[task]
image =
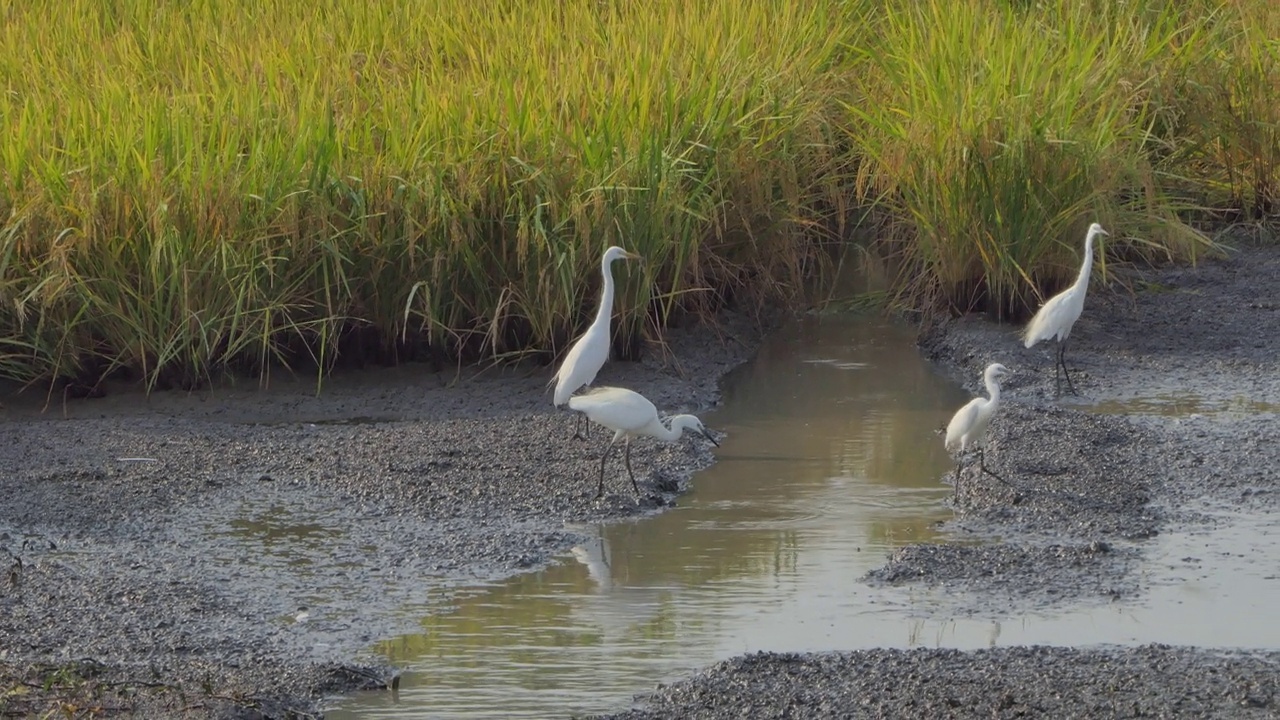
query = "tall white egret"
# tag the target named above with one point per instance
(590, 351)
(1055, 318)
(968, 427)
(630, 415)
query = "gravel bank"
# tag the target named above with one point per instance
(226, 554)
(1030, 682)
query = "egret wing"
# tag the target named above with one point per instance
(1048, 320)
(581, 364)
(615, 408)
(962, 422)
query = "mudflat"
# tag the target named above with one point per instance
(139, 535)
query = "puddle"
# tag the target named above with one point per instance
(277, 527)
(831, 462)
(1176, 405)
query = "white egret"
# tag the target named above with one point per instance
(630, 415)
(590, 351)
(1055, 318)
(968, 427)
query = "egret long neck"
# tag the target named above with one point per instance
(673, 433)
(605, 311)
(1087, 266)
(993, 389)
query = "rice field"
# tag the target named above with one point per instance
(194, 188)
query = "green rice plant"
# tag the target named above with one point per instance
(25, 347)
(213, 185)
(192, 188)
(993, 135)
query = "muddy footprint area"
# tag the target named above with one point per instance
(1178, 391)
(227, 554)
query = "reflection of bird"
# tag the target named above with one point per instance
(1055, 318)
(630, 414)
(968, 427)
(594, 554)
(590, 352)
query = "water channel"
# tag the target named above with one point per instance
(831, 461)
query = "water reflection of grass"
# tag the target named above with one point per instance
(531, 616)
(874, 422)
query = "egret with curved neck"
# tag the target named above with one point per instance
(968, 427)
(1055, 318)
(630, 415)
(590, 352)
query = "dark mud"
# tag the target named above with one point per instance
(1182, 364)
(1016, 577)
(1029, 682)
(228, 553)
(1079, 487)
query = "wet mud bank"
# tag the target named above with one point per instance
(1176, 370)
(1179, 393)
(1039, 682)
(228, 553)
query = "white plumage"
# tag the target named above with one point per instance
(1056, 317)
(590, 352)
(968, 427)
(630, 415)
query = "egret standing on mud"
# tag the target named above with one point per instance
(968, 427)
(590, 352)
(630, 415)
(1055, 317)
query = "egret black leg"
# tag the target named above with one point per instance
(955, 487)
(983, 465)
(603, 458)
(627, 456)
(584, 433)
(1057, 372)
(1062, 362)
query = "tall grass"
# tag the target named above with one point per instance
(196, 184)
(192, 187)
(1227, 140)
(999, 132)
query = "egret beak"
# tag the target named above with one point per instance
(1104, 232)
(706, 434)
(632, 256)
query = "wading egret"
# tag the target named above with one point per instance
(590, 352)
(1055, 318)
(630, 415)
(968, 427)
